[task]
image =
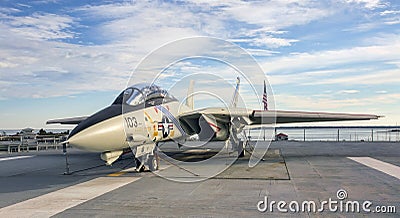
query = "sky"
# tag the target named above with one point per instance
(72, 58)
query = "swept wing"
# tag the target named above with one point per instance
(221, 116)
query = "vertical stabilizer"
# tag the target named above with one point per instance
(189, 97)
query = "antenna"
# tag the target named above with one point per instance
(236, 93)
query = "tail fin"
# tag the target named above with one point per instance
(236, 93)
(189, 98)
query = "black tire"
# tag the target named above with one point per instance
(240, 148)
(241, 154)
(154, 162)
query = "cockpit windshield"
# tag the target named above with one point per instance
(143, 93)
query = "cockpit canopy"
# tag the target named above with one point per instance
(139, 94)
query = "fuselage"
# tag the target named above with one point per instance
(123, 125)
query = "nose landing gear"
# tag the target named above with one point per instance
(145, 161)
(151, 162)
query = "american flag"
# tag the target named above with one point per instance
(265, 97)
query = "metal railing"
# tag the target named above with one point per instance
(32, 144)
(331, 133)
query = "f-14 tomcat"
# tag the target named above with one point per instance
(145, 114)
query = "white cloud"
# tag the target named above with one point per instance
(374, 78)
(261, 52)
(296, 102)
(273, 42)
(144, 19)
(349, 91)
(389, 12)
(277, 14)
(24, 5)
(370, 4)
(377, 64)
(266, 41)
(304, 77)
(8, 10)
(393, 21)
(339, 76)
(49, 69)
(41, 26)
(381, 104)
(364, 27)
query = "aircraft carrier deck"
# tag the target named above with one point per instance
(32, 184)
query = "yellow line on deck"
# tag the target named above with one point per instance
(116, 174)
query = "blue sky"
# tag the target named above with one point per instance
(71, 58)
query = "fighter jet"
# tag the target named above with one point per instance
(144, 115)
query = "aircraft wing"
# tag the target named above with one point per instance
(222, 116)
(258, 116)
(70, 120)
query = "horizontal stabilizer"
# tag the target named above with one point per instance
(71, 120)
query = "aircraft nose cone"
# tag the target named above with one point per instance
(106, 135)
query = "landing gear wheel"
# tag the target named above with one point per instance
(153, 162)
(241, 154)
(139, 166)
